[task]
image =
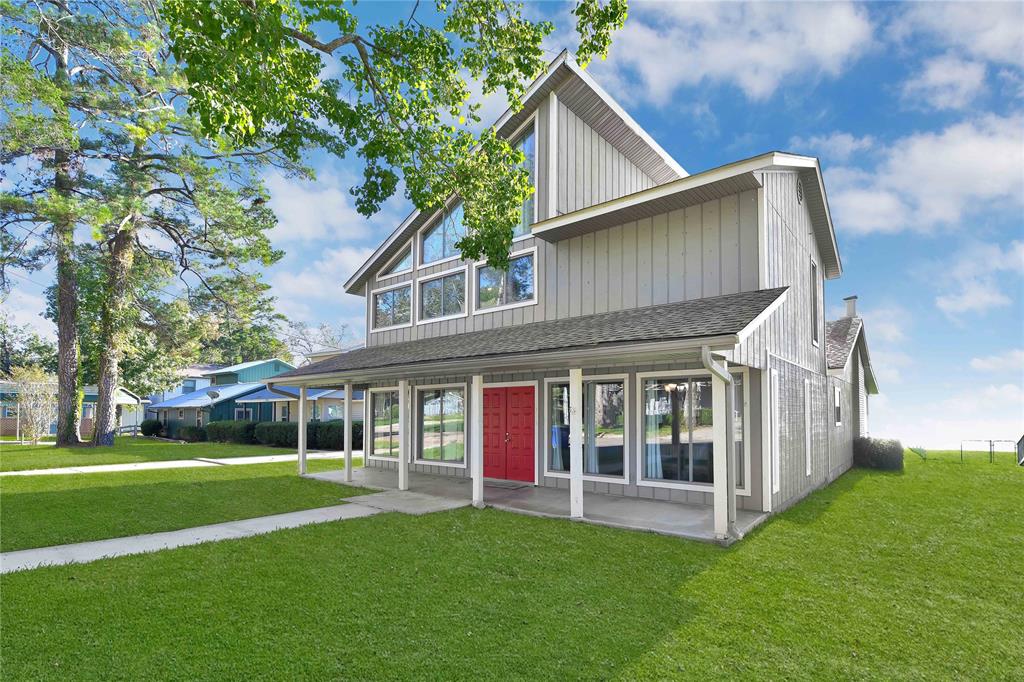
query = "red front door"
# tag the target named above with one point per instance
(509, 437)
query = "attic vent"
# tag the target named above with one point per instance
(799, 192)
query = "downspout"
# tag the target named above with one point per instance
(722, 373)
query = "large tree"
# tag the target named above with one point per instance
(173, 214)
(400, 99)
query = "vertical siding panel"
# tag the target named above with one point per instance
(711, 265)
(575, 275)
(643, 262)
(749, 256)
(601, 280)
(615, 268)
(730, 260)
(659, 259)
(580, 138)
(588, 282)
(629, 248)
(676, 255)
(550, 305)
(563, 280)
(588, 167)
(694, 253)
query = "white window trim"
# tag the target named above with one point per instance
(530, 121)
(815, 315)
(244, 411)
(430, 224)
(776, 431)
(626, 445)
(412, 306)
(536, 418)
(181, 414)
(807, 424)
(368, 432)
(520, 304)
(837, 402)
(464, 269)
(394, 259)
(416, 426)
(683, 485)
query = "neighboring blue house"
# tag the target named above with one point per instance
(217, 402)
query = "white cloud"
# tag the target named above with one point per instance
(886, 324)
(304, 291)
(889, 365)
(995, 411)
(946, 82)
(930, 180)
(755, 47)
(974, 282)
(1011, 360)
(308, 211)
(837, 147)
(26, 306)
(991, 31)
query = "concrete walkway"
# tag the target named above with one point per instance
(84, 552)
(178, 464)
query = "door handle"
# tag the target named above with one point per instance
(507, 438)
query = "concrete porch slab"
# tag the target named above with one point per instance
(654, 516)
(408, 502)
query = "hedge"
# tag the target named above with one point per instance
(231, 431)
(151, 427)
(327, 435)
(192, 434)
(878, 453)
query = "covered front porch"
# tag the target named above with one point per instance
(695, 522)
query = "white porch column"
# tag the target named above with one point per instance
(403, 434)
(303, 418)
(576, 443)
(348, 432)
(476, 439)
(724, 457)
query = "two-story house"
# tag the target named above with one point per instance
(658, 335)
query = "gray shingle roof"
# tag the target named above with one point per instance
(840, 335)
(704, 317)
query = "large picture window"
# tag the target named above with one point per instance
(440, 240)
(678, 429)
(384, 439)
(604, 427)
(527, 144)
(443, 296)
(392, 307)
(496, 288)
(442, 413)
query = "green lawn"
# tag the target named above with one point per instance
(879, 576)
(38, 511)
(124, 450)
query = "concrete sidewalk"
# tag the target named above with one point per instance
(179, 464)
(84, 552)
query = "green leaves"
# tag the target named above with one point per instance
(304, 73)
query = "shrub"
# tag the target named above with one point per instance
(192, 434)
(878, 453)
(278, 434)
(328, 435)
(231, 431)
(151, 427)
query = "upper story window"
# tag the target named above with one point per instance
(443, 296)
(497, 289)
(188, 386)
(402, 263)
(814, 302)
(439, 241)
(392, 307)
(526, 142)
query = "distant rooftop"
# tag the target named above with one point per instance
(233, 369)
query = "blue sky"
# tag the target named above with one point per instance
(917, 114)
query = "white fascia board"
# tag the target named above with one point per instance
(626, 118)
(762, 316)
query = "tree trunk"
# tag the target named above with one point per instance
(68, 407)
(112, 332)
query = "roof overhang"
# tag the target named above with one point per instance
(610, 354)
(579, 91)
(695, 189)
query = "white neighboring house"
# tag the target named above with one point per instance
(193, 378)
